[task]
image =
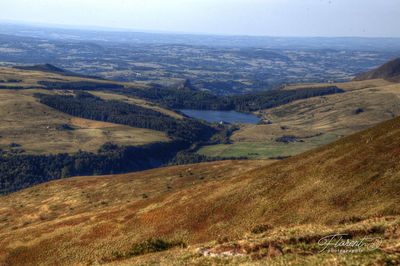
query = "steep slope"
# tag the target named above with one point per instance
(82, 212)
(88, 219)
(389, 71)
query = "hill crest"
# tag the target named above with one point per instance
(49, 68)
(43, 68)
(389, 71)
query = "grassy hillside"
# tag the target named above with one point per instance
(349, 186)
(344, 114)
(388, 71)
(37, 76)
(78, 210)
(25, 78)
(39, 129)
(347, 86)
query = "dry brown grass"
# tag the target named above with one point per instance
(86, 218)
(86, 123)
(299, 244)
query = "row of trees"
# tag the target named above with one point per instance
(22, 171)
(189, 98)
(80, 85)
(86, 105)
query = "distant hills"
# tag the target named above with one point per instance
(389, 71)
(110, 35)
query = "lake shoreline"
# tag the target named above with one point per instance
(221, 116)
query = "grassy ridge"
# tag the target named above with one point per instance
(32, 78)
(389, 71)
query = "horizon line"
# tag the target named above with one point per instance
(166, 32)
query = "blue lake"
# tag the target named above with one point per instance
(218, 116)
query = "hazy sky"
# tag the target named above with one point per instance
(371, 18)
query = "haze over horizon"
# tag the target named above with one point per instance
(305, 18)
